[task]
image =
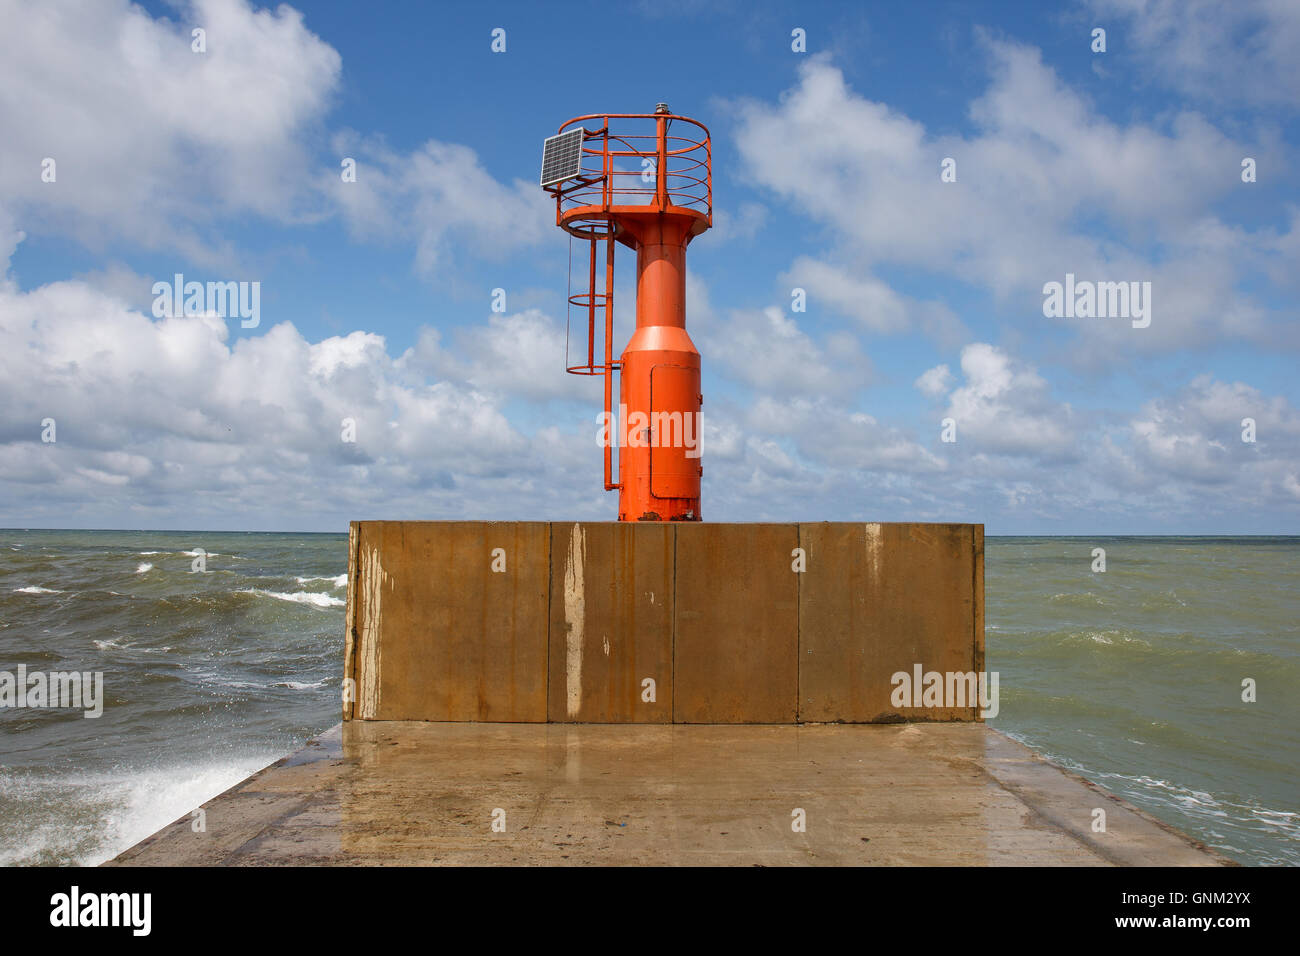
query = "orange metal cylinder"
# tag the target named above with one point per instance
(659, 457)
(657, 425)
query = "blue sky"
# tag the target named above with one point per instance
(925, 298)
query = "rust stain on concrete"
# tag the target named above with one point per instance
(373, 579)
(575, 615)
(871, 536)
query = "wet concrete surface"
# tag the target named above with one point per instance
(417, 793)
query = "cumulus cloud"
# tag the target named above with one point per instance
(1003, 406)
(1197, 436)
(766, 349)
(827, 434)
(745, 223)
(152, 141)
(934, 382)
(519, 354)
(1045, 186)
(170, 148)
(172, 422)
(440, 197)
(873, 302)
(1241, 52)
(177, 419)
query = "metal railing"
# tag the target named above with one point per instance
(655, 160)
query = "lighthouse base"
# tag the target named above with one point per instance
(609, 622)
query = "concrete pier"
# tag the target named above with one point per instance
(664, 694)
(417, 793)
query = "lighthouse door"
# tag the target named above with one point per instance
(674, 432)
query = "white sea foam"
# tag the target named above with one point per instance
(111, 645)
(115, 812)
(1282, 819)
(337, 580)
(301, 597)
(147, 553)
(33, 589)
(144, 566)
(298, 685)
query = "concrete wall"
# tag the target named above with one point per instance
(609, 622)
(737, 640)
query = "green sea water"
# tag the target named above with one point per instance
(1132, 677)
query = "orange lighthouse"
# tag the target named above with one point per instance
(644, 180)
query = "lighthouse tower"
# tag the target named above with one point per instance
(644, 180)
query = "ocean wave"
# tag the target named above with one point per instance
(299, 597)
(1282, 819)
(336, 580)
(112, 645)
(99, 815)
(1108, 638)
(144, 566)
(1163, 600)
(1086, 599)
(33, 589)
(145, 554)
(1214, 813)
(1235, 815)
(298, 685)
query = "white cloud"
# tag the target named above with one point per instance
(1195, 436)
(1239, 52)
(1003, 407)
(769, 351)
(170, 422)
(826, 434)
(873, 302)
(745, 223)
(440, 197)
(185, 425)
(153, 142)
(520, 354)
(934, 382)
(167, 148)
(1044, 187)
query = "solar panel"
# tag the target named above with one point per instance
(562, 157)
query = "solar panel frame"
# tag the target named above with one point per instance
(562, 157)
